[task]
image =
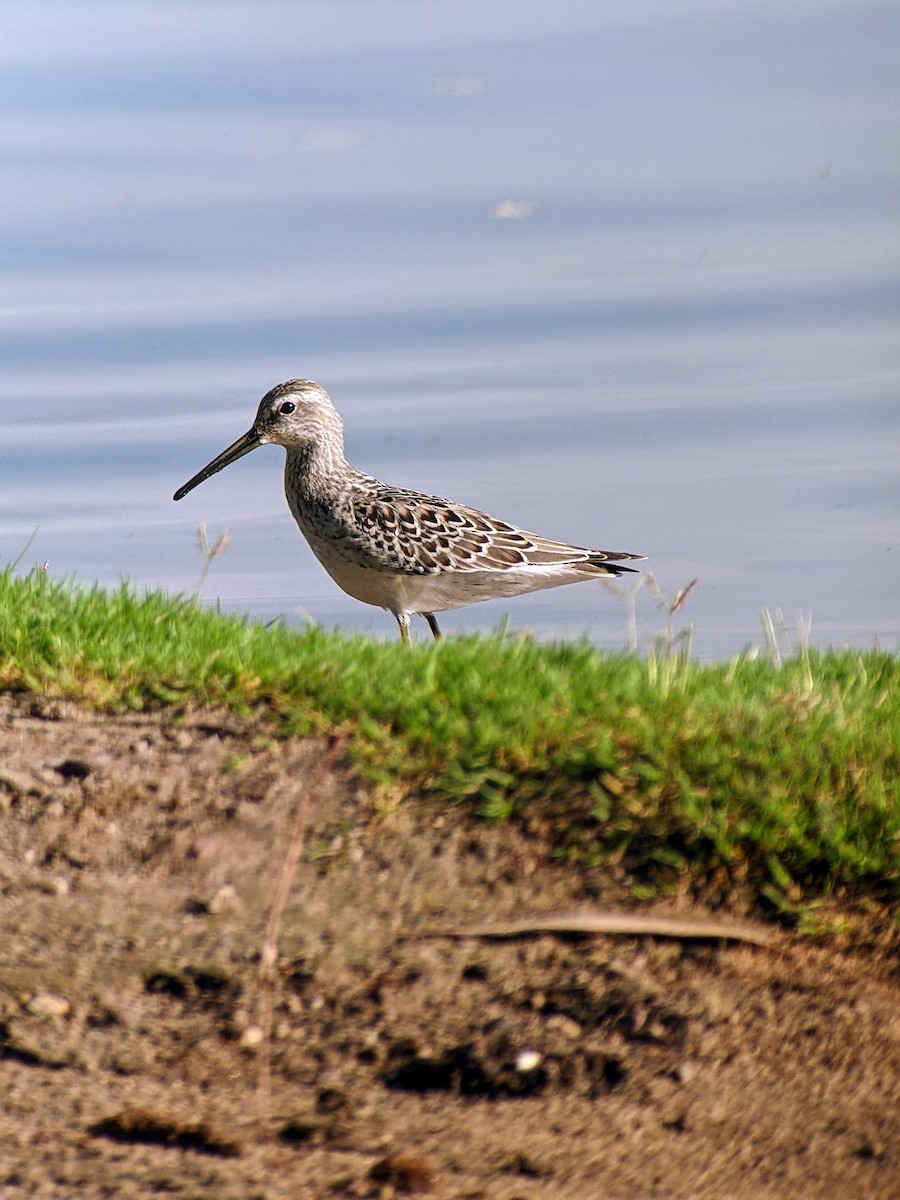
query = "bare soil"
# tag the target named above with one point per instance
(139, 855)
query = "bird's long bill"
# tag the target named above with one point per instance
(236, 450)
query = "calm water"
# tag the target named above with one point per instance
(627, 278)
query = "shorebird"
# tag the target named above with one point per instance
(393, 547)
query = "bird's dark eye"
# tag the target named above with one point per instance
(287, 408)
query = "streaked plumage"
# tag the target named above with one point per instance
(394, 547)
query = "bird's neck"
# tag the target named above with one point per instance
(316, 470)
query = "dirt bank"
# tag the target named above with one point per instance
(138, 859)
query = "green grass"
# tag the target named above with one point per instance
(784, 776)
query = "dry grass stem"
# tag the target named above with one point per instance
(268, 959)
(619, 923)
(210, 553)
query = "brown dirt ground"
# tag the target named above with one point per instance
(138, 859)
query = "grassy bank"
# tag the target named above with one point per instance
(783, 776)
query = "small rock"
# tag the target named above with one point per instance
(251, 1038)
(45, 1004)
(369, 1047)
(30, 1052)
(226, 899)
(674, 1117)
(566, 1026)
(130, 1061)
(686, 1071)
(527, 1060)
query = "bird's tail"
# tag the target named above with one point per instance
(606, 562)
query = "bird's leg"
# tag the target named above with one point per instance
(403, 622)
(433, 626)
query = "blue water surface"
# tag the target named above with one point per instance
(626, 275)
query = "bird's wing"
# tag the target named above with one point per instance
(424, 535)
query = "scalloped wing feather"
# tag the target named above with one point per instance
(419, 534)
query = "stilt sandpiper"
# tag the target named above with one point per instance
(393, 547)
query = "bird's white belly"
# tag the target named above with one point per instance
(442, 591)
